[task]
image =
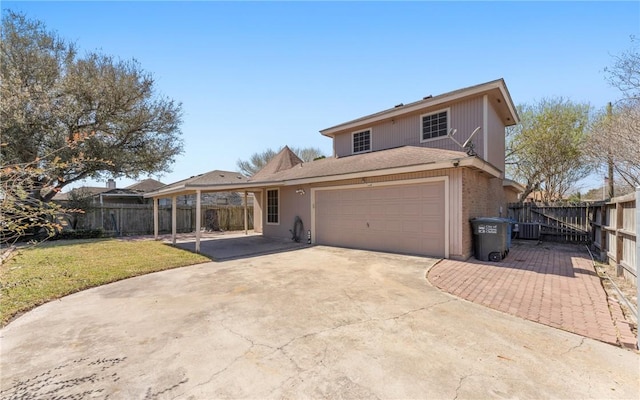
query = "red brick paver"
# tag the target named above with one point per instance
(551, 284)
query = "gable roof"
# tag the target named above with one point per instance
(497, 91)
(146, 185)
(211, 178)
(284, 160)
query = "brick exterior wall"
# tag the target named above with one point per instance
(482, 196)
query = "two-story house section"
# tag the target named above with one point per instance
(405, 180)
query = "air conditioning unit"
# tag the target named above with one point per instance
(528, 230)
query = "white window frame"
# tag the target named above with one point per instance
(277, 190)
(448, 111)
(353, 135)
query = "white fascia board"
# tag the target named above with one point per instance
(510, 105)
(420, 105)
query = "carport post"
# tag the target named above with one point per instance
(198, 215)
(174, 208)
(246, 225)
(638, 259)
(155, 218)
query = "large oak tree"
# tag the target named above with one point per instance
(52, 97)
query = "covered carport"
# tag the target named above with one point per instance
(210, 182)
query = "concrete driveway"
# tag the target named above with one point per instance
(317, 322)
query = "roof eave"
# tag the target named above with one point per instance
(427, 103)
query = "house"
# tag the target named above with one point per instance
(133, 194)
(407, 179)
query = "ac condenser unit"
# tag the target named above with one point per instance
(528, 230)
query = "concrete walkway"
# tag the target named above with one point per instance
(552, 284)
(313, 323)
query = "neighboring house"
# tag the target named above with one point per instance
(400, 180)
(133, 194)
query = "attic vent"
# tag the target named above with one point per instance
(221, 175)
(398, 105)
(427, 97)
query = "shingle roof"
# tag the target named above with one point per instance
(284, 160)
(86, 190)
(146, 185)
(378, 160)
(215, 177)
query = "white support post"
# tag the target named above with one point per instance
(174, 218)
(155, 218)
(198, 217)
(246, 223)
(638, 259)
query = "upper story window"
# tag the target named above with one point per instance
(435, 125)
(273, 206)
(362, 141)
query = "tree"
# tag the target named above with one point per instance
(545, 150)
(258, 160)
(615, 136)
(25, 215)
(50, 96)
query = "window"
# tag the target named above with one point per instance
(273, 215)
(435, 125)
(362, 141)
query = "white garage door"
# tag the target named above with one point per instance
(399, 218)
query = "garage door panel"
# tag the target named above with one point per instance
(395, 218)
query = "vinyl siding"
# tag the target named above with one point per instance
(496, 132)
(464, 116)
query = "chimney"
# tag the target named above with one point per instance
(111, 184)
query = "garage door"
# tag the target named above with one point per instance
(398, 218)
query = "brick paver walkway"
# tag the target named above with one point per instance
(551, 284)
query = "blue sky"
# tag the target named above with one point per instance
(257, 75)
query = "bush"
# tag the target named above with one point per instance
(80, 234)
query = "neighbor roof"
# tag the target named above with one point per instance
(146, 185)
(497, 90)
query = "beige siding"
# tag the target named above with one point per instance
(258, 206)
(496, 139)
(465, 116)
(292, 204)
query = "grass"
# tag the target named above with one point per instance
(52, 270)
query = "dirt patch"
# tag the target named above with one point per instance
(627, 288)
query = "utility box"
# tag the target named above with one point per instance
(490, 238)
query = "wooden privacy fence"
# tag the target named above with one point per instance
(615, 233)
(558, 222)
(137, 219)
(610, 227)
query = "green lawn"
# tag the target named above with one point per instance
(52, 270)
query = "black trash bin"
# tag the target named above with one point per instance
(490, 238)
